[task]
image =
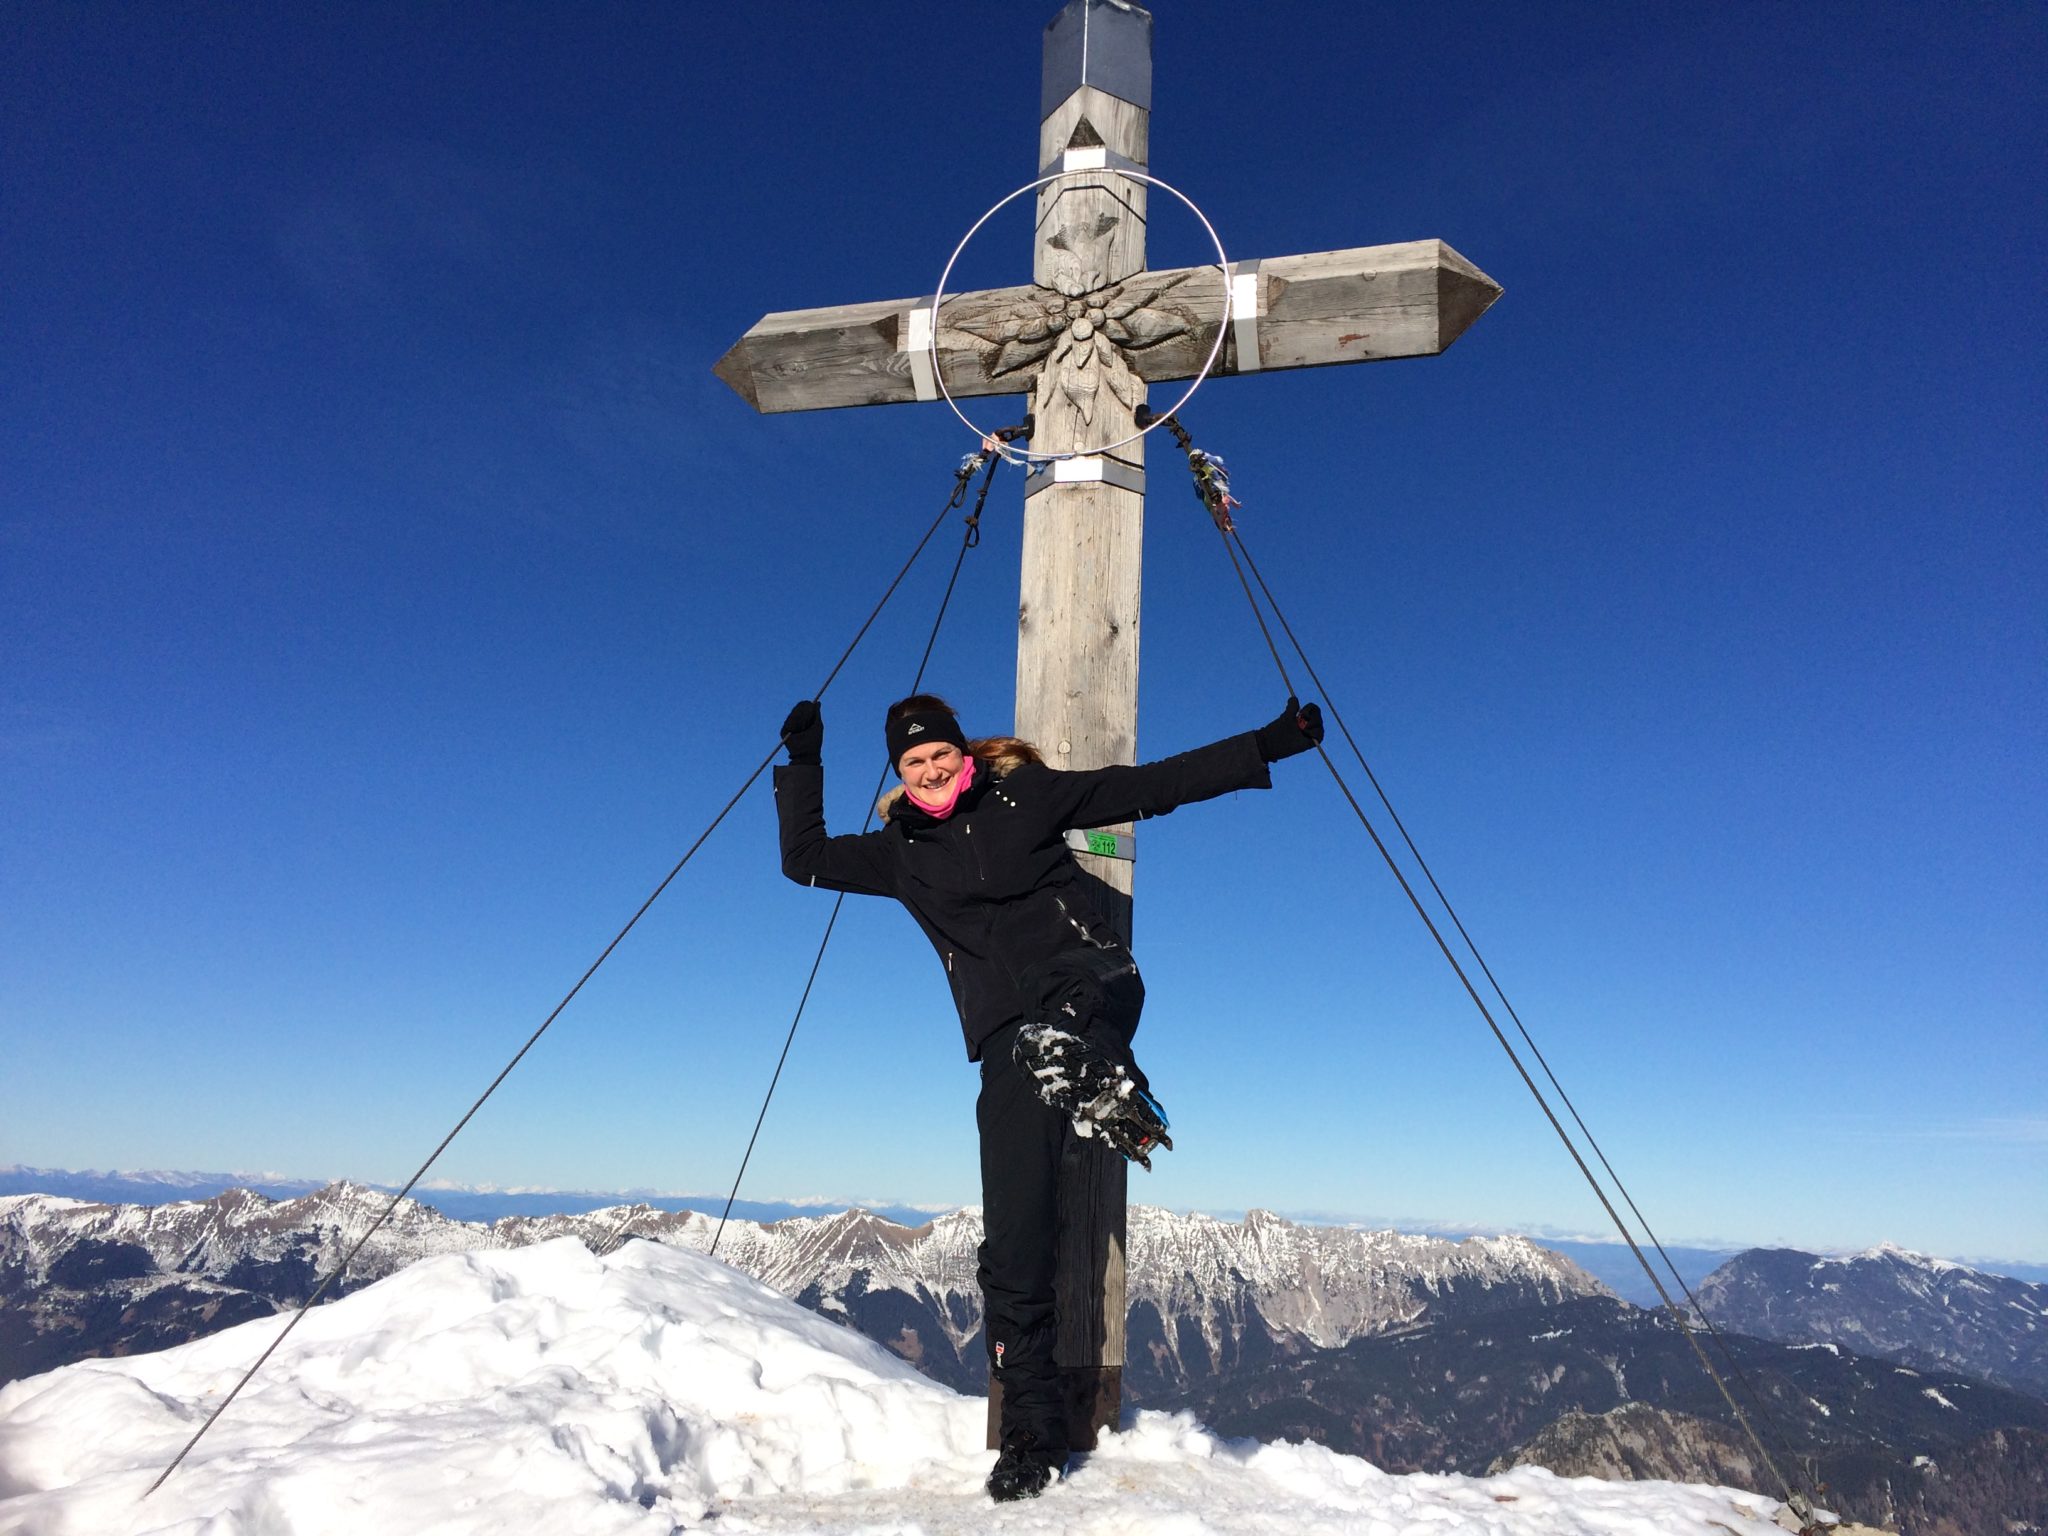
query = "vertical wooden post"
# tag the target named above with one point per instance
(1077, 614)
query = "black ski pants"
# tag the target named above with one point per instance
(1096, 991)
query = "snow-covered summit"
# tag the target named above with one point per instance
(543, 1389)
(1893, 1253)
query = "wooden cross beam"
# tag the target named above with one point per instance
(1084, 339)
(1366, 305)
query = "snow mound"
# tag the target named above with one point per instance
(542, 1389)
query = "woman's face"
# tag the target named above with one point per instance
(929, 769)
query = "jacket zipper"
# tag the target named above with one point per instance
(967, 829)
(1088, 935)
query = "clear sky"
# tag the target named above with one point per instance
(389, 594)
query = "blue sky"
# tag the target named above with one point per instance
(389, 594)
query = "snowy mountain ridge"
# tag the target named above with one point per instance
(1325, 1284)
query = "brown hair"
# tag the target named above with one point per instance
(1001, 754)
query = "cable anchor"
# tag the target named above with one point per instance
(973, 464)
(990, 455)
(1212, 476)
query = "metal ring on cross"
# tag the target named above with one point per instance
(1025, 455)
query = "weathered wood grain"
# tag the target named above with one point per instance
(1077, 698)
(1370, 304)
(1077, 663)
(1077, 628)
(1091, 228)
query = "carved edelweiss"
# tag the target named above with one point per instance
(1080, 342)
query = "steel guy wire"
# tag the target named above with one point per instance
(1233, 542)
(964, 476)
(1696, 1310)
(970, 537)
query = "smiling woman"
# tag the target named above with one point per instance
(936, 770)
(974, 846)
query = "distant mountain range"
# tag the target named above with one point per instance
(1607, 1260)
(157, 1187)
(80, 1278)
(1459, 1395)
(1616, 1268)
(1890, 1303)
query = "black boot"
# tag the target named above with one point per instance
(1082, 1079)
(1023, 1471)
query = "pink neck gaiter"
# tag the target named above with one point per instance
(940, 810)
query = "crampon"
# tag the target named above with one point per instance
(1081, 1080)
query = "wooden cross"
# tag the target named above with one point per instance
(1084, 339)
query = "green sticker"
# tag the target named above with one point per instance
(1103, 843)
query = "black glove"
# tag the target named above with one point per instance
(1299, 728)
(804, 733)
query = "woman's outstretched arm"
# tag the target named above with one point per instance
(1096, 797)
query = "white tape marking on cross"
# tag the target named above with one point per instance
(1244, 315)
(917, 344)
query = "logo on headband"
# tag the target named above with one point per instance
(914, 730)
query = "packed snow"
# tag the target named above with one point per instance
(656, 1391)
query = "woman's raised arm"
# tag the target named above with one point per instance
(858, 863)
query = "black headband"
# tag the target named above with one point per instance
(916, 730)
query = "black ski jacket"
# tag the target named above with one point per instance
(994, 886)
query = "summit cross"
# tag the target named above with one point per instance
(1083, 340)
